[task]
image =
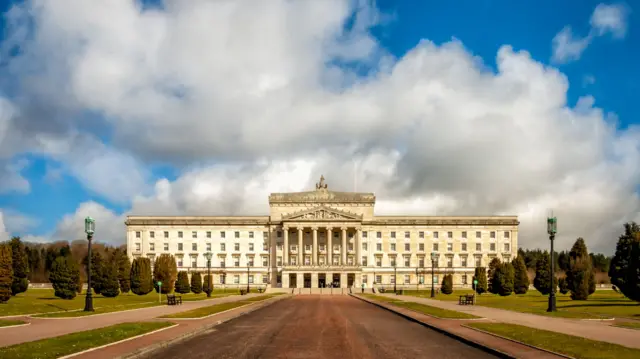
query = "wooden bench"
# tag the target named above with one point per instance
(173, 299)
(243, 291)
(260, 290)
(466, 299)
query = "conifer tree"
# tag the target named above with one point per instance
(481, 276)
(493, 265)
(124, 269)
(542, 281)
(165, 271)
(447, 284)
(563, 287)
(64, 277)
(579, 270)
(6, 272)
(625, 265)
(196, 283)
(592, 281)
(110, 284)
(20, 262)
(503, 279)
(521, 279)
(141, 281)
(182, 283)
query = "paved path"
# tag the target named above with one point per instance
(321, 327)
(596, 330)
(42, 328)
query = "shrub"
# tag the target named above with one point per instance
(64, 277)
(20, 264)
(503, 279)
(207, 284)
(447, 284)
(579, 271)
(493, 265)
(563, 286)
(196, 283)
(592, 282)
(182, 283)
(520, 279)
(141, 276)
(123, 264)
(97, 274)
(110, 283)
(481, 276)
(6, 272)
(165, 271)
(625, 265)
(542, 281)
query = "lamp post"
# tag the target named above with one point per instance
(417, 280)
(552, 228)
(209, 281)
(248, 279)
(434, 256)
(395, 277)
(89, 229)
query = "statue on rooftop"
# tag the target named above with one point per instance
(321, 184)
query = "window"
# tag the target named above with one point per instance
(350, 247)
(435, 234)
(350, 260)
(407, 278)
(179, 261)
(265, 279)
(407, 247)
(279, 261)
(449, 247)
(449, 234)
(194, 246)
(137, 234)
(393, 247)
(236, 279)
(180, 246)
(208, 234)
(421, 278)
(421, 263)
(264, 235)
(478, 247)
(152, 234)
(407, 235)
(492, 247)
(223, 263)
(464, 279)
(293, 260)
(223, 279)
(392, 280)
(421, 234)
(378, 279)
(464, 247)
(208, 247)
(152, 247)
(279, 234)
(265, 246)
(379, 247)
(364, 234)
(249, 262)
(194, 234)
(378, 234)
(364, 279)
(464, 261)
(166, 247)
(279, 246)
(506, 234)
(166, 234)
(250, 278)
(194, 262)
(250, 247)
(435, 247)
(464, 234)
(223, 234)
(378, 261)
(223, 247)
(407, 261)
(335, 234)
(506, 247)
(478, 262)
(393, 234)
(421, 247)
(364, 246)
(492, 234)
(137, 247)
(350, 234)
(236, 246)
(393, 261)
(236, 234)
(265, 261)
(250, 234)
(179, 234)
(363, 260)
(450, 262)
(236, 261)
(478, 234)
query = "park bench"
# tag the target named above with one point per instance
(400, 292)
(243, 291)
(466, 299)
(260, 290)
(173, 299)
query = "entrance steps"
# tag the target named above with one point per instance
(320, 291)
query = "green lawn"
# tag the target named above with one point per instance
(76, 342)
(630, 325)
(576, 347)
(422, 308)
(601, 304)
(43, 301)
(8, 323)
(217, 308)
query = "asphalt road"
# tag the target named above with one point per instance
(321, 327)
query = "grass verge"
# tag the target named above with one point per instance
(8, 323)
(76, 342)
(102, 310)
(422, 308)
(629, 325)
(570, 345)
(217, 308)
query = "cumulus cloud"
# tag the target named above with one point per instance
(4, 233)
(247, 99)
(605, 19)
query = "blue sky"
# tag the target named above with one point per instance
(58, 183)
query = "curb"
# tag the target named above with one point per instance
(210, 315)
(118, 342)
(208, 328)
(519, 342)
(442, 331)
(433, 316)
(14, 326)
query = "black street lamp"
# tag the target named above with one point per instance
(208, 255)
(89, 229)
(248, 279)
(417, 280)
(395, 277)
(552, 228)
(434, 256)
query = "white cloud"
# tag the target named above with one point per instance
(605, 19)
(588, 80)
(246, 100)
(4, 233)
(11, 179)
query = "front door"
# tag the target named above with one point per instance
(322, 280)
(336, 280)
(293, 280)
(351, 278)
(307, 280)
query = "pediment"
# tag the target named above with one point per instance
(322, 213)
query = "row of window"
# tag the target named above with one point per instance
(436, 234)
(194, 234)
(391, 279)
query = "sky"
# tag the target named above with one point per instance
(199, 107)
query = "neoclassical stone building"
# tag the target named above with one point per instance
(331, 237)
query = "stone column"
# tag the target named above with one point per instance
(300, 280)
(344, 245)
(314, 280)
(314, 248)
(329, 246)
(300, 247)
(285, 250)
(358, 244)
